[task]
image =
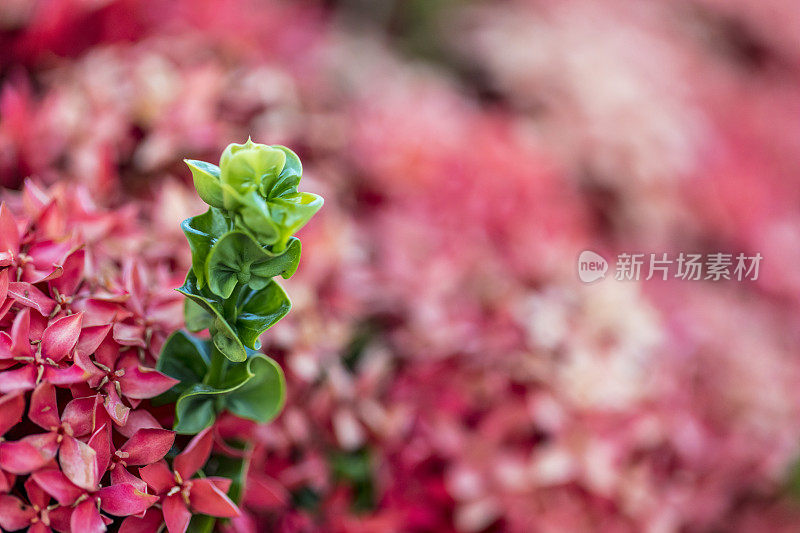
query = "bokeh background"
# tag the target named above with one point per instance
(447, 370)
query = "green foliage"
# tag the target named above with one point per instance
(243, 241)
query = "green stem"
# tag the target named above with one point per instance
(219, 363)
(217, 367)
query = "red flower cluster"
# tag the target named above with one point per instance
(81, 326)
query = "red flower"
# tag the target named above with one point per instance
(181, 495)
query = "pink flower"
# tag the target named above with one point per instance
(180, 494)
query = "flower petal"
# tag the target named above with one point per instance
(86, 518)
(28, 295)
(18, 379)
(158, 477)
(90, 338)
(68, 375)
(205, 497)
(9, 230)
(117, 410)
(7, 481)
(120, 475)
(3, 284)
(61, 336)
(60, 518)
(14, 514)
(147, 446)
(72, 274)
(43, 410)
(195, 454)
(100, 442)
(20, 333)
(149, 523)
(56, 484)
(79, 463)
(79, 415)
(176, 514)
(139, 419)
(142, 383)
(129, 334)
(12, 406)
(28, 454)
(124, 500)
(36, 495)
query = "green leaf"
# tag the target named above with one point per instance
(261, 397)
(238, 258)
(258, 310)
(202, 523)
(291, 212)
(206, 181)
(185, 358)
(245, 166)
(197, 318)
(254, 214)
(255, 390)
(196, 409)
(202, 231)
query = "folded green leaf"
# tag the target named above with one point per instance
(197, 318)
(255, 390)
(206, 181)
(246, 166)
(237, 258)
(261, 397)
(257, 311)
(202, 231)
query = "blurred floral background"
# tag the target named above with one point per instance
(447, 369)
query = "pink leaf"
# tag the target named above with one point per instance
(205, 497)
(176, 515)
(86, 518)
(56, 484)
(147, 446)
(79, 463)
(195, 454)
(43, 410)
(125, 500)
(60, 337)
